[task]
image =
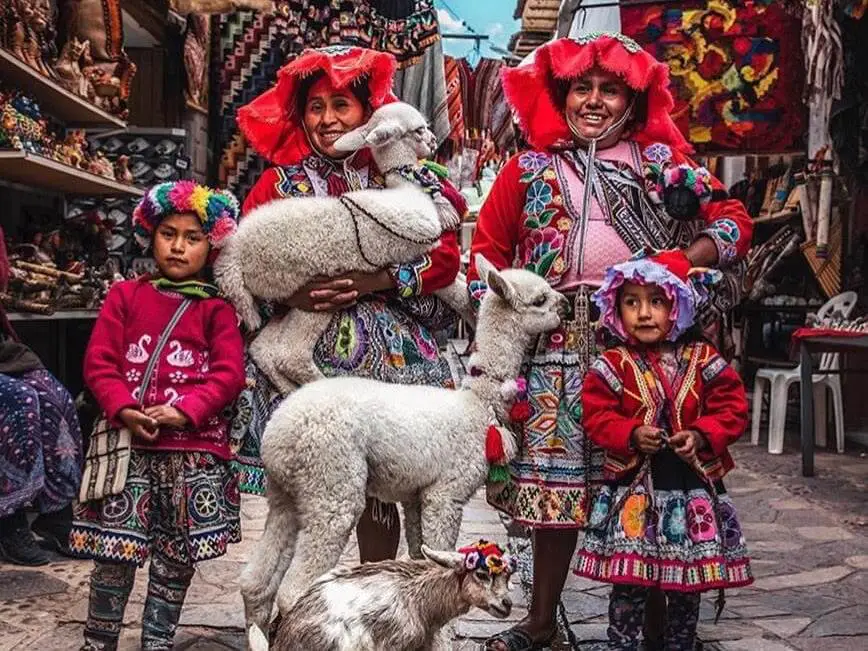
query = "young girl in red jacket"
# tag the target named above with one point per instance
(665, 406)
(165, 360)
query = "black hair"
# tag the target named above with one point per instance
(359, 88)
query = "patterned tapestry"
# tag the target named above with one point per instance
(736, 69)
(249, 49)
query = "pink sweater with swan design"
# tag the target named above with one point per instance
(200, 370)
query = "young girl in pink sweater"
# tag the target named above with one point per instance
(180, 504)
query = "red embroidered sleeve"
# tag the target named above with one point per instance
(602, 415)
(497, 227)
(724, 412)
(430, 272)
(727, 222)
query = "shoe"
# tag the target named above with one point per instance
(55, 534)
(19, 547)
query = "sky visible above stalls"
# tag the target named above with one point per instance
(491, 17)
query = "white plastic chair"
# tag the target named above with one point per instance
(780, 380)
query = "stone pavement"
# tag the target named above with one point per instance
(808, 539)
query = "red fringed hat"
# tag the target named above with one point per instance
(528, 88)
(271, 122)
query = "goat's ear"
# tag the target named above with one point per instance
(384, 133)
(494, 279)
(353, 140)
(452, 560)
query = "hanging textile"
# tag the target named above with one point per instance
(824, 70)
(849, 120)
(424, 86)
(454, 99)
(736, 70)
(588, 18)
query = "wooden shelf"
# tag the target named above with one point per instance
(54, 99)
(46, 174)
(60, 315)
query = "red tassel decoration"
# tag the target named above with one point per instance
(520, 411)
(494, 453)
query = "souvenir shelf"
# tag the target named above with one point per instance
(45, 174)
(57, 101)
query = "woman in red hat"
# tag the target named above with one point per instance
(382, 321)
(607, 175)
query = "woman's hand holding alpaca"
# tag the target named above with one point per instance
(647, 439)
(140, 424)
(168, 416)
(333, 294)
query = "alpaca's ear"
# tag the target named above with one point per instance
(494, 279)
(256, 640)
(452, 560)
(353, 140)
(384, 133)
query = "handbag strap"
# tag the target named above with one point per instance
(161, 343)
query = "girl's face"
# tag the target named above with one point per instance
(596, 101)
(181, 247)
(329, 113)
(645, 311)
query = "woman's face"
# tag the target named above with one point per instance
(329, 113)
(596, 101)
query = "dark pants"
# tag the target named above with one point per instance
(627, 612)
(110, 587)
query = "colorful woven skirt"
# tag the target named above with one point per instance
(186, 505)
(40, 443)
(556, 470)
(671, 538)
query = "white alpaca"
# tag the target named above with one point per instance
(285, 243)
(336, 441)
(398, 605)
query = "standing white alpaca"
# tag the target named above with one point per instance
(336, 441)
(285, 243)
(399, 605)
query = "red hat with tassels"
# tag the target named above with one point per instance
(271, 122)
(529, 89)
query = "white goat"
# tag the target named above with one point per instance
(335, 441)
(285, 243)
(398, 605)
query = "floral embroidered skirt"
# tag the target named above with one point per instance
(40, 443)
(186, 505)
(556, 471)
(674, 538)
(390, 341)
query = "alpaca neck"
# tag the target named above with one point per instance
(438, 597)
(500, 350)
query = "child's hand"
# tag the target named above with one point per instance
(646, 439)
(167, 415)
(140, 424)
(686, 444)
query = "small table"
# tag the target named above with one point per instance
(807, 346)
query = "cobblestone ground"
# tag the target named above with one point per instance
(808, 539)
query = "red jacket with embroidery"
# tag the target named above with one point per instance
(200, 370)
(524, 221)
(624, 389)
(434, 271)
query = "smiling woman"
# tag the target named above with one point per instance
(330, 112)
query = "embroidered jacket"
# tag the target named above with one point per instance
(200, 370)
(527, 222)
(314, 177)
(624, 389)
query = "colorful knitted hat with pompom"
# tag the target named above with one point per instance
(489, 557)
(217, 210)
(672, 271)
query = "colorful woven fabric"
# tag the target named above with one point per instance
(736, 70)
(454, 101)
(40, 450)
(183, 505)
(488, 557)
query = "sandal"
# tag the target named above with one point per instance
(516, 639)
